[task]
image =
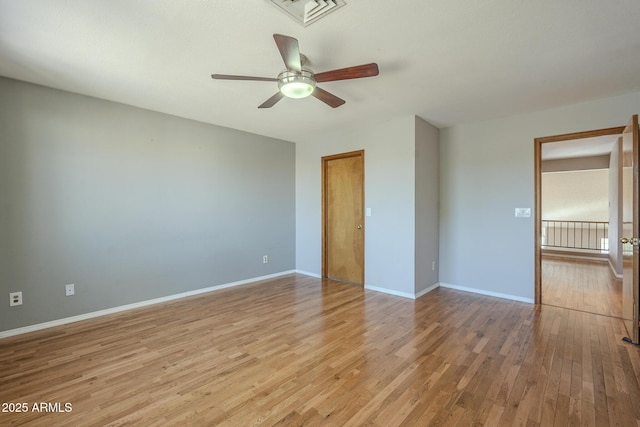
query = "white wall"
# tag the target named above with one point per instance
(615, 213)
(389, 192)
(486, 170)
(576, 195)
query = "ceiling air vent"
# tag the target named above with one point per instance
(307, 12)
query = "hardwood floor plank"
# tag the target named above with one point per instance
(302, 351)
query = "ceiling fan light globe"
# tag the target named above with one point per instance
(297, 89)
(296, 85)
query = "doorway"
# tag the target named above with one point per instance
(628, 227)
(572, 253)
(343, 217)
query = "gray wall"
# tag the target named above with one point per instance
(389, 191)
(401, 188)
(486, 170)
(427, 207)
(131, 205)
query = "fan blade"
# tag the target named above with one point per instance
(272, 101)
(230, 77)
(366, 70)
(290, 52)
(328, 98)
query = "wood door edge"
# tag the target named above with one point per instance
(635, 322)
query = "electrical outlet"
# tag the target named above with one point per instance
(70, 290)
(265, 259)
(15, 298)
(433, 265)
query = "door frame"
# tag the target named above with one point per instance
(324, 161)
(537, 156)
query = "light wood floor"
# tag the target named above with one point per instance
(300, 351)
(581, 285)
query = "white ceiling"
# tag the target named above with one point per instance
(447, 61)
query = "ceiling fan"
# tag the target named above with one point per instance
(299, 81)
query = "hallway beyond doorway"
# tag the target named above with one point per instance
(581, 285)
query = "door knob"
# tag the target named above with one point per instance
(359, 226)
(635, 241)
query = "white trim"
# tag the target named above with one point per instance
(375, 288)
(488, 293)
(426, 291)
(551, 254)
(306, 273)
(613, 270)
(85, 316)
(403, 294)
(390, 291)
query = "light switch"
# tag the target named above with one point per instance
(368, 211)
(523, 212)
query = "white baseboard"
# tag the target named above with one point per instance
(306, 273)
(85, 316)
(426, 291)
(402, 294)
(378, 289)
(613, 270)
(390, 292)
(488, 293)
(596, 257)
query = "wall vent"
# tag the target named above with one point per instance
(306, 12)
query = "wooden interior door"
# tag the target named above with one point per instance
(343, 217)
(630, 231)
